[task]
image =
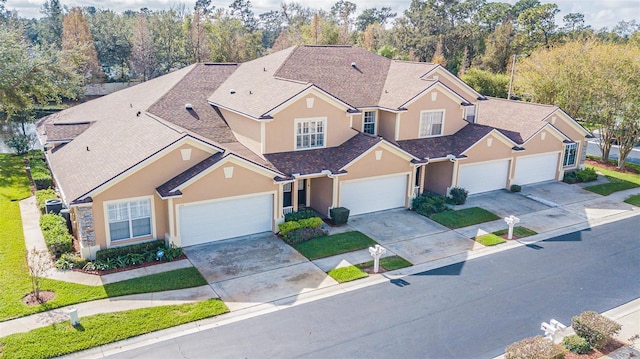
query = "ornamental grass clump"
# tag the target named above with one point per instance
(534, 348)
(595, 328)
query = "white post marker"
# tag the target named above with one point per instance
(377, 252)
(73, 316)
(511, 221)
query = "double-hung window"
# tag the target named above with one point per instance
(431, 123)
(129, 219)
(570, 154)
(369, 122)
(310, 133)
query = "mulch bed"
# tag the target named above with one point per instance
(610, 166)
(595, 353)
(31, 300)
(116, 270)
(369, 270)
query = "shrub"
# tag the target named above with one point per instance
(586, 175)
(515, 188)
(312, 222)
(172, 252)
(339, 215)
(458, 195)
(534, 348)
(41, 178)
(19, 143)
(287, 227)
(43, 195)
(70, 260)
(595, 328)
(429, 203)
(570, 177)
(576, 344)
(296, 216)
(151, 246)
(304, 234)
(55, 233)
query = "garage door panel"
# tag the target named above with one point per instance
(539, 168)
(212, 221)
(376, 194)
(483, 176)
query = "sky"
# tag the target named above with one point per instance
(598, 13)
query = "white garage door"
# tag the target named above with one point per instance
(377, 194)
(213, 221)
(538, 168)
(483, 176)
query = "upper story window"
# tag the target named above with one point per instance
(431, 123)
(570, 155)
(369, 122)
(470, 113)
(129, 219)
(310, 133)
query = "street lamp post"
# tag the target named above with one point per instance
(513, 67)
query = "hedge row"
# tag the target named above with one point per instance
(287, 227)
(39, 171)
(115, 252)
(55, 233)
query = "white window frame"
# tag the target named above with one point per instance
(428, 130)
(375, 121)
(566, 154)
(299, 121)
(471, 109)
(128, 202)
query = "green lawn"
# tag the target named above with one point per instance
(15, 280)
(518, 231)
(618, 182)
(389, 263)
(347, 274)
(464, 217)
(62, 338)
(334, 244)
(634, 200)
(490, 239)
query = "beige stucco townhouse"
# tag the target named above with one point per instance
(216, 151)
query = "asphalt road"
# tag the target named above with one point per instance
(594, 149)
(467, 310)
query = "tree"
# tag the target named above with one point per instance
(486, 82)
(535, 26)
(39, 263)
(143, 55)
(438, 55)
(50, 29)
(199, 45)
(342, 12)
(77, 44)
(241, 9)
(30, 75)
(593, 81)
(231, 42)
(169, 39)
(373, 15)
(112, 34)
(498, 49)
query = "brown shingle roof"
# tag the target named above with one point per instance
(194, 89)
(403, 82)
(520, 120)
(438, 147)
(167, 188)
(61, 132)
(317, 160)
(329, 67)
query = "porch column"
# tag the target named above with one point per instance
(172, 219)
(454, 178)
(334, 199)
(294, 195)
(280, 201)
(423, 170)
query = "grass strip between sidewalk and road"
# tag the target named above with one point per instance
(618, 181)
(346, 274)
(518, 231)
(63, 338)
(489, 239)
(634, 200)
(334, 244)
(389, 263)
(463, 217)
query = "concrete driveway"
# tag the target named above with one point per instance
(252, 270)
